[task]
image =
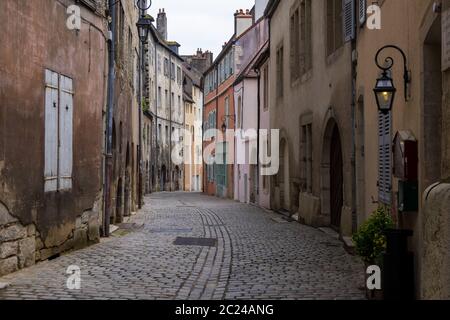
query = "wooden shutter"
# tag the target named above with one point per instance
(362, 11)
(384, 158)
(51, 132)
(349, 20)
(65, 133)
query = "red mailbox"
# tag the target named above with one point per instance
(405, 156)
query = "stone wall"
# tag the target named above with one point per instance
(17, 243)
(435, 275)
(22, 246)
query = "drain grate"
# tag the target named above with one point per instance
(203, 242)
(170, 230)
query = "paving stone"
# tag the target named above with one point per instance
(254, 258)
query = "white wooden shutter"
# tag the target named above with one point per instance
(362, 11)
(65, 133)
(51, 132)
(384, 158)
(349, 20)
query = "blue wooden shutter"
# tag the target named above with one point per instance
(51, 132)
(384, 158)
(362, 11)
(349, 20)
(65, 133)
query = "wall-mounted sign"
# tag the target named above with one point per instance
(446, 40)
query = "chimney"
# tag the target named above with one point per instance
(209, 57)
(161, 24)
(242, 21)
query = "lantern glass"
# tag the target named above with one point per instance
(144, 25)
(385, 93)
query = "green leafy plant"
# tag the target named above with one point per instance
(370, 241)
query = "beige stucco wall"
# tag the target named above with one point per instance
(411, 34)
(330, 81)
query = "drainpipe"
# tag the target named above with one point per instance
(157, 182)
(170, 122)
(259, 127)
(109, 122)
(141, 70)
(353, 157)
(217, 126)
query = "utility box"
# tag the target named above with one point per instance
(408, 196)
(405, 156)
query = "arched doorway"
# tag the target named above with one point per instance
(127, 194)
(332, 176)
(177, 178)
(283, 181)
(163, 178)
(119, 208)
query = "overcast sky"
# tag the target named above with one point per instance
(205, 24)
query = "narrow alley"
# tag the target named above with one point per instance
(191, 246)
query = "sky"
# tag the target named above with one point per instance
(205, 24)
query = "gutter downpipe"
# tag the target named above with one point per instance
(353, 117)
(109, 122)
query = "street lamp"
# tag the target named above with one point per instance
(385, 93)
(144, 25)
(224, 119)
(384, 89)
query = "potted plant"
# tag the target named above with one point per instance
(370, 242)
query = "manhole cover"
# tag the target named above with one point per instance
(170, 230)
(203, 242)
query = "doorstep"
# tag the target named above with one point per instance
(330, 232)
(4, 285)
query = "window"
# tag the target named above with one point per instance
(305, 37)
(179, 102)
(58, 132)
(166, 96)
(239, 115)
(306, 149)
(280, 75)
(179, 75)
(172, 100)
(295, 44)
(159, 97)
(227, 111)
(166, 67)
(172, 71)
(167, 135)
(159, 133)
(334, 25)
(266, 87)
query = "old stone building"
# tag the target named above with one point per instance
(219, 116)
(423, 116)
(52, 93)
(310, 98)
(125, 180)
(251, 45)
(164, 104)
(193, 135)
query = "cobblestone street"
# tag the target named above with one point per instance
(257, 255)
